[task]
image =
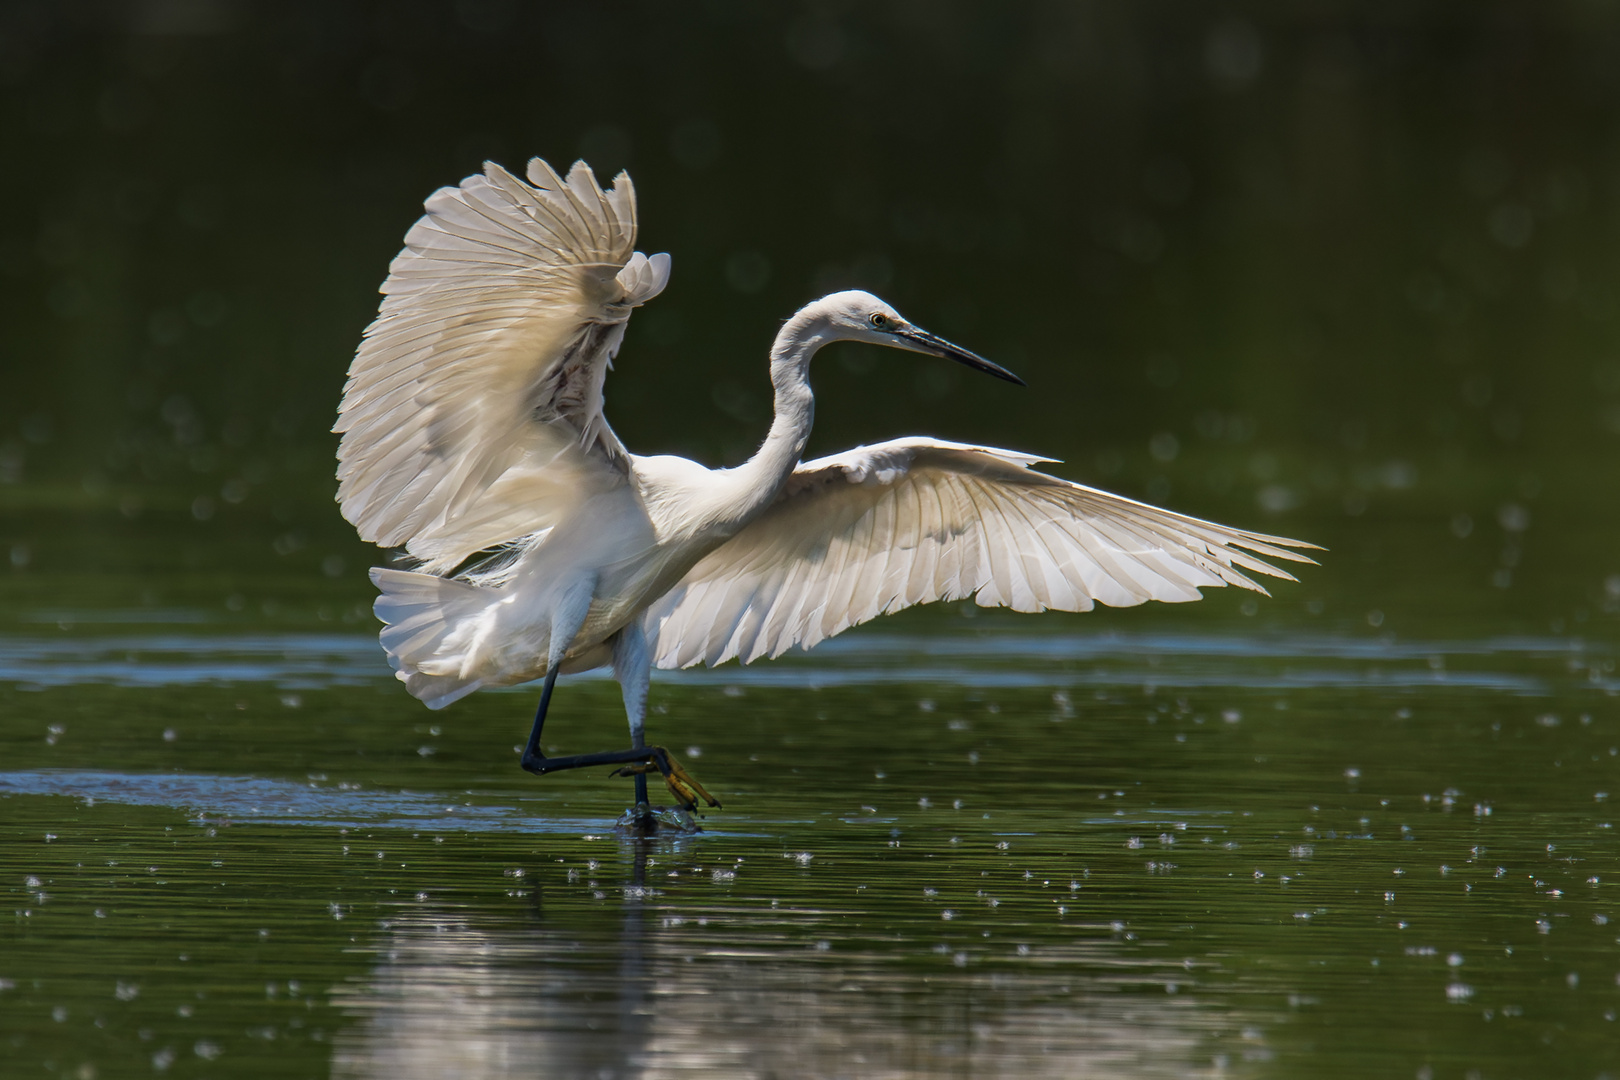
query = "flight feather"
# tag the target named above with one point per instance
(473, 410)
(880, 528)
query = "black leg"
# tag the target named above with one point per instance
(533, 759)
(647, 758)
(648, 823)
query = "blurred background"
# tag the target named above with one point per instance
(1338, 271)
(1332, 270)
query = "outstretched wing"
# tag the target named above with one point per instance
(880, 528)
(473, 410)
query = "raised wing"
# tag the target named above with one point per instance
(880, 528)
(473, 410)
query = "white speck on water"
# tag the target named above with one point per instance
(1454, 960)
(1459, 992)
(1231, 716)
(947, 914)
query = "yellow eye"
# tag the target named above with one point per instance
(879, 319)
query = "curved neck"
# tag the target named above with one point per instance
(761, 477)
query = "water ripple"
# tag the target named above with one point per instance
(1523, 665)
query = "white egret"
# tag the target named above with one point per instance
(473, 436)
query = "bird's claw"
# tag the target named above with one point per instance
(685, 789)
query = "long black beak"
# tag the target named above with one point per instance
(934, 345)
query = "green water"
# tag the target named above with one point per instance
(1331, 273)
(1268, 845)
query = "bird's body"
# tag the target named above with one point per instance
(474, 436)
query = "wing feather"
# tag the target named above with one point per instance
(912, 521)
(474, 403)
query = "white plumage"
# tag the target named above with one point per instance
(474, 436)
(880, 528)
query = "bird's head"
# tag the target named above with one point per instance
(860, 316)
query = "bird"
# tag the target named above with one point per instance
(537, 544)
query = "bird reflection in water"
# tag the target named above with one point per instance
(637, 983)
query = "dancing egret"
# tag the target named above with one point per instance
(473, 436)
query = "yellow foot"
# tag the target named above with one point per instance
(685, 789)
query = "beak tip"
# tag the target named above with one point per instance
(923, 341)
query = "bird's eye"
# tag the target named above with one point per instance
(879, 319)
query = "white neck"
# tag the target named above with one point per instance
(759, 479)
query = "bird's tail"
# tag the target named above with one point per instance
(429, 619)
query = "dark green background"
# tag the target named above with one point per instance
(1354, 259)
(1345, 272)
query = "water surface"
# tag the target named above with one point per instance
(981, 850)
(1337, 271)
